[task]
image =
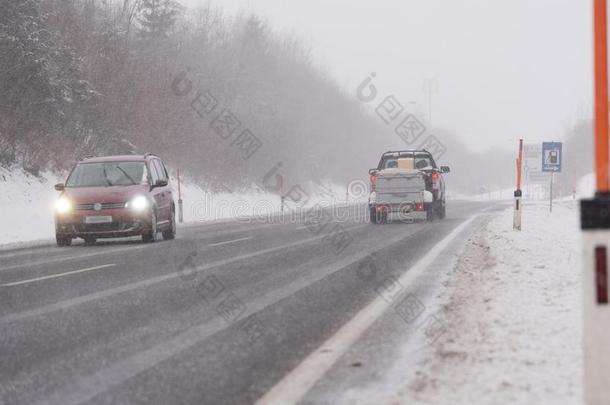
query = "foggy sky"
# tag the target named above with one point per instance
(505, 69)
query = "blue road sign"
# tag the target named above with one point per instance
(551, 156)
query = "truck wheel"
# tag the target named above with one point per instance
(443, 211)
(384, 218)
(430, 213)
(373, 215)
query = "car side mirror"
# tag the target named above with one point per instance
(445, 169)
(60, 186)
(160, 183)
(372, 171)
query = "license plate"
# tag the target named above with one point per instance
(98, 219)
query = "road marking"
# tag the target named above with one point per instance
(229, 241)
(62, 305)
(68, 273)
(84, 388)
(102, 251)
(295, 385)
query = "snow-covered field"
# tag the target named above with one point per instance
(26, 206)
(515, 313)
(26, 203)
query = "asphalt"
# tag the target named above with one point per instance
(217, 316)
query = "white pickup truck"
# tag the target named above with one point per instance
(407, 185)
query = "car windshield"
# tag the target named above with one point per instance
(107, 174)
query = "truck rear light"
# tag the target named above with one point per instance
(435, 181)
(419, 207)
(373, 182)
(382, 208)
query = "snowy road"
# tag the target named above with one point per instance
(218, 316)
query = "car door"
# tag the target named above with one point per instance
(167, 194)
(164, 193)
(155, 191)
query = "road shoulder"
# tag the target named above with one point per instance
(513, 309)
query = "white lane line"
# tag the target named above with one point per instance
(229, 241)
(102, 251)
(68, 273)
(83, 388)
(62, 305)
(295, 385)
(298, 228)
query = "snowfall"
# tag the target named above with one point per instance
(27, 203)
(513, 298)
(514, 316)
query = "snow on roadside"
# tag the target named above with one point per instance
(585, 188)
(26, 204)
(514, 312)
(490, 195)
(200, 205)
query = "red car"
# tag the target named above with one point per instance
(115, 196)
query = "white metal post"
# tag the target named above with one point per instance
(595, 224)
(517, 212)
(596, 336)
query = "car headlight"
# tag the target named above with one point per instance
(63, 205)
(139, 203)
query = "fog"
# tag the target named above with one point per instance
(477, 76)
(503, 70)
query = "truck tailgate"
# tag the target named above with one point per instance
(397, 188)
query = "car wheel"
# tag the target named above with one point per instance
(170, 233)
(90, 240)
(151, 235)
(63, 240)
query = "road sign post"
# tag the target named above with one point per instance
(551, 193)
(595, 224)
(551, 162)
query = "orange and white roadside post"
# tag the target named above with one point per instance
(518, 193)
(595, 225)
